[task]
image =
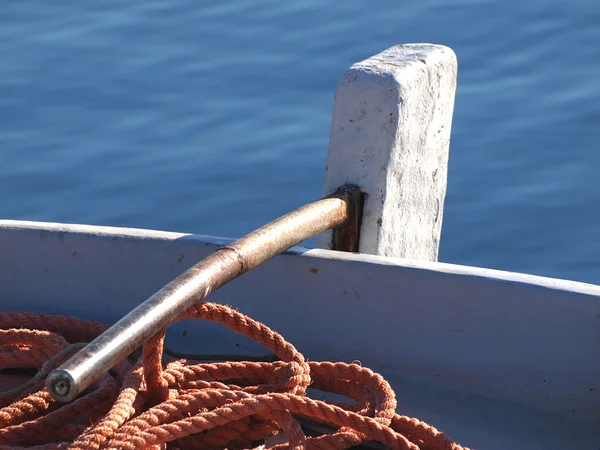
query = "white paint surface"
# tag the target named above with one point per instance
(497, 360)
(390, 135)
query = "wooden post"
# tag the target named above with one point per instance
(390, 136)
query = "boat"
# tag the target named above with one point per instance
(494, 359)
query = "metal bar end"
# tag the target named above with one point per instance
(61, 386)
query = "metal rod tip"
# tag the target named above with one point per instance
(61, 386)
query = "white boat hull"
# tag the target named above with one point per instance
(494, 359)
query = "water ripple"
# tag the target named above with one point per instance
(214, 118)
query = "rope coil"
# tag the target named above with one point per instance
(184, 404)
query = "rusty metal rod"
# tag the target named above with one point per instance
(195, 284)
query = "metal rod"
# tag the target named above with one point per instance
(195, 284)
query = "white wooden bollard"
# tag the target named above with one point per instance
(390, 135)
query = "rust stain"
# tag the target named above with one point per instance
(313, 270)
(346, 238)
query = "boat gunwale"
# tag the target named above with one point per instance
(442, 268)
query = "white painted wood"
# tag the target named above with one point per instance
(390, 135)
(497, 360)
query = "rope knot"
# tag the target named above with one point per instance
(291, 378)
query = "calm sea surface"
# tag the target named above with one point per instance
(213, 117)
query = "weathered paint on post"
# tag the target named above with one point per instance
(390, 135)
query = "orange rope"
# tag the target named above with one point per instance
(189, 405)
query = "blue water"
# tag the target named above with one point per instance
(213, 117)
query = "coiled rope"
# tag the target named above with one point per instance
(183, 404)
